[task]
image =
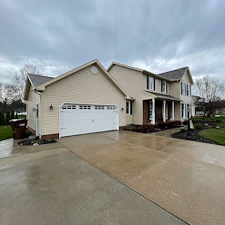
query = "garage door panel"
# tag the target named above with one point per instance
(81, 119)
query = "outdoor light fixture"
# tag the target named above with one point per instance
(51, 107)
(121, 109)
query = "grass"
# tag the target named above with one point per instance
(22, 117)
(215, 135)
(5, 132)
(213, 119)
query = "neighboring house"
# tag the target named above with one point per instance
(84, 100)
(196, 110)
(92, 99)
(158, 97)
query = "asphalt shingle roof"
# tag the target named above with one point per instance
(174, 74)
(38, 79)
(163, 96)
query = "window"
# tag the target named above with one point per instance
(182, 88)
(150, 83)
(163, 86)
(128, 107)
(185, 89)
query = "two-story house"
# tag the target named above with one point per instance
(158, 97)
(91, 99)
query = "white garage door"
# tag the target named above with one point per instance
(83, 118)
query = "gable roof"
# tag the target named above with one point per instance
(146, 72)
(174, 74)
(37, 80)
(42, 86)
(34, 80)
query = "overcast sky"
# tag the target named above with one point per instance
(157, 35)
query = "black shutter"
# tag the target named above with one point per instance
(181, 84)
(147, 82)
(161, 86)
(166, 87)
(131, 106)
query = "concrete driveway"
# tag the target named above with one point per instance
(49, 184)
(185, 178)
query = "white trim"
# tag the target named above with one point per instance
(153, 111)
(173, 110)
(164, 110)
(129, 107)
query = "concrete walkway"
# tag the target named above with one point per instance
(54, 186)
(185, 178)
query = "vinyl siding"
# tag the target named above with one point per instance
(32, 101)
(132, 83)
(80, 87)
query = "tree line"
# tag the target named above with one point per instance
(6, 117)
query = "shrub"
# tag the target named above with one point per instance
(8, 117)
(185, 122)
(12, 116)
(198, 126)
(2, 118)
(161, 125)
(182, 129)
(176, 123)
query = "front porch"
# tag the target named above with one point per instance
(160, 110)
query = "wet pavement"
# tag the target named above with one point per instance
(185, 178)
(48, 184)
(10, 148)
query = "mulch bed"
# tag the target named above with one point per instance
(29, 142)
(193, 136)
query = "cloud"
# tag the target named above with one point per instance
(159, 35)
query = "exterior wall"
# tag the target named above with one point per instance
(131, 81)
(157, 85)
(81, 87)
(32, 101)
(129, 119)
(177, 113)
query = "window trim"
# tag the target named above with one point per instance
(128, 108)
(152, 83)
(163, 81)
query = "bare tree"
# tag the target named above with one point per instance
(210, 91)
(19, 80)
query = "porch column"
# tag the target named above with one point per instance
(173, 110)
(164, 110)
(153, 111)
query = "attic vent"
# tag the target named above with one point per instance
(94, 70)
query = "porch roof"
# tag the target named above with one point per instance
(163, 96)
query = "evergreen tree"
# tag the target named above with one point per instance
(7, 117)
(12, 116)
(2, 118)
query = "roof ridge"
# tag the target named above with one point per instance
(39, 75)
(173, 70)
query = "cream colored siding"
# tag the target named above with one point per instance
(157, 85)
(129, 119)
(132, 83)
(81, 87)
(32, 101)
(175, 89)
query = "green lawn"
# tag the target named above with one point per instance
(5, 132)
(213, 119)
(215, 135)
